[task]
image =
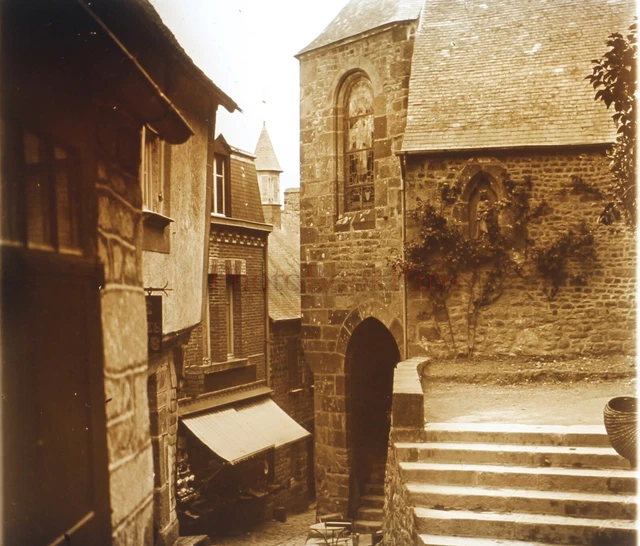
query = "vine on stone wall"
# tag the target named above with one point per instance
(552, 260)
(480, 265)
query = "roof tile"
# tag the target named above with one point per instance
(498, 73)
(359, 16)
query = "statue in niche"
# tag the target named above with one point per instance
(481, 212)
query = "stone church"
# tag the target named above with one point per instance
(399, 100)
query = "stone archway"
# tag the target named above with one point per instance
(371, 356)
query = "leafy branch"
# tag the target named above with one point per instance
(614, 78)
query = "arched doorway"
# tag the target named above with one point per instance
(372, 354)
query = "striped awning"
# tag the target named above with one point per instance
(227, 266)
(236, 433)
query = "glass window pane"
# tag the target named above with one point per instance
(37, 184)
(358, 147)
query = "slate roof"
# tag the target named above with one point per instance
(360, 16)
(266, 159)
(245, 192)
(499, 73)
(284, 275)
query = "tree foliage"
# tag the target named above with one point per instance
(614, 77)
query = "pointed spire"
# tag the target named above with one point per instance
(266, 159)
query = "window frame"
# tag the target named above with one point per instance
(216, 199)
(347, 155)
(16, 205)
(229, 315)
(154, 187)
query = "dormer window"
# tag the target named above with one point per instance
(221, 186)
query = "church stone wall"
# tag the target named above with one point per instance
(344, 273)
(595, 316)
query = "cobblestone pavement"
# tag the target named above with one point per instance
(293, 532)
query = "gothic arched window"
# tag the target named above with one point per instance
(359, 192)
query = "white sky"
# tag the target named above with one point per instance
(246, 48)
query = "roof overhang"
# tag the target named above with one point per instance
(124, 78)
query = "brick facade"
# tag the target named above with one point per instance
(249, 322)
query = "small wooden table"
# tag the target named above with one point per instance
(331, 534)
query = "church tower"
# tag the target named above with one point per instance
(268, 170)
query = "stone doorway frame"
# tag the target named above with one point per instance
(333, 455)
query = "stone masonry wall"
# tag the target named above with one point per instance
(124, 328)
(344, 256)
(291, 472)
(591, 317)
(296, 399)
(163, 411)
(399, 524)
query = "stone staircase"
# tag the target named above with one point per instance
(480, 484)
(369, 516)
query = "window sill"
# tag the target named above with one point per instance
(230, 364)
(155, 220)
(155, 237)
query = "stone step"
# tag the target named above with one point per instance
(561, 503)
(521, 526)
(376, 479)
(367, 526)
(372, 501)
(617, 481)
(556, 435)
(369, 514)
(374, 489)
(437, 540)
(510, 454)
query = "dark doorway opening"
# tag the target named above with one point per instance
(372, 355)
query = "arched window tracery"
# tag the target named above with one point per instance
(359, 187)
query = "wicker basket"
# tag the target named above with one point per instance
(621, 422)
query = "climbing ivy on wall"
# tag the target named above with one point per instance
(443, 257)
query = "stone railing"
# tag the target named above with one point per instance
(407, 423)
(408, 400)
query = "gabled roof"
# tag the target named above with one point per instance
(266, 159)
(499, 73)
(284, 275)
(360, 16)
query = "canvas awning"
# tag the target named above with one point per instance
(235, 433)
